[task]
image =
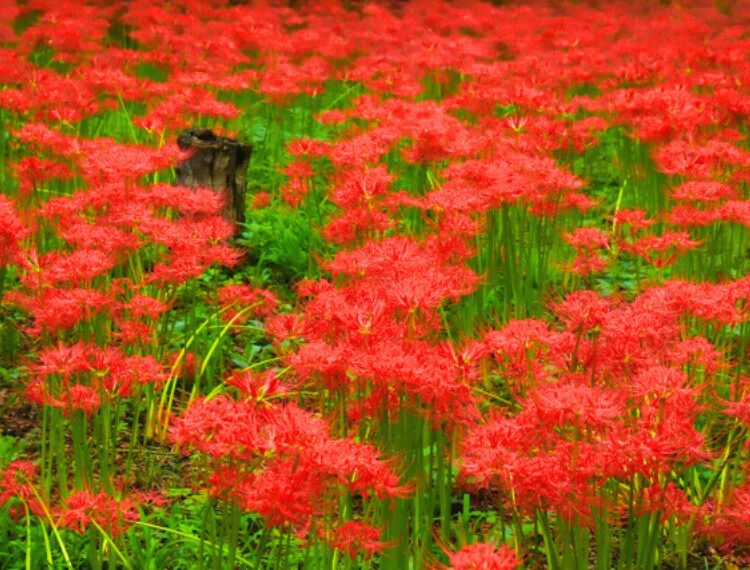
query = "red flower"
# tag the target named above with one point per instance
(242, 302)
(79, 397)
(583, 311)
(705, 192)
(559, 403)
(729, 524)
(257, 386)
(83, 507)
(12, 232)
(481, 556)
(662, 250)
(355, 536)
(16, 481)
(261, 200)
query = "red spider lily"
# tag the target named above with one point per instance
(31, 171)
(635, 219)
(579, 405)
(16, 482)
(492, 446)
(55, 310)
(308, 147)
(285, 326)
(281, 493)
(183, 365)
(729, 524)
(698, 354)
(106, 370)
(396, 262)
(261, 200)
(584, 133)
(102, 161)
(237, 299)
(189, 262)
(643, 422)
(474, 108)
(281, 80)
(220, 427)
(661, 382)
(688, 216)
(52, 98)
(356, 224)
(332, 116)
(42, 137)
(360, 187)
(737, 211)
(366, 148)
(295, 191)
(188, 201)
(143, 306)
(583, 311)
(483, 556)
(151, 498)
(739, 409)
(131, 332)
(452, 241)
(300, 169)
(12, 232)
(587, 239)
(662, 250)
(77, 397)
(355, 536)
(662, 111)
(681, 157)
(704, 192)
(721, 302)
(588, 242)
(179, 110)
(372, 326)
(77, 268)
(283, 458)
(81, 508)
(510, 177)
(518, 346)
(257, 386)
(100, 235)
(670, 501)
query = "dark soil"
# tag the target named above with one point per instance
(17, 417)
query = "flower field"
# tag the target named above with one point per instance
(484, 304)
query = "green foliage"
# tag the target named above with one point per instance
(284, 245)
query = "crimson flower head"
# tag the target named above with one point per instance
(559, 403)
(587, 239)
(636, 219)
(16, 482)
(261, 200)
(242, 302)
(582, 311)
(483, 556)
(355, 536)
(704, 192)
(588, 243)
(284, 326)
(80, 397)
(82, 508)
(308, 147)
(729, 524)
(257, 386)
(12, 232)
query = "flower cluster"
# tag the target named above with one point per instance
(529, 284)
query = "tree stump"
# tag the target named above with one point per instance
(218, 163)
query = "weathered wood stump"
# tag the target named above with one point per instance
(218, 163)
